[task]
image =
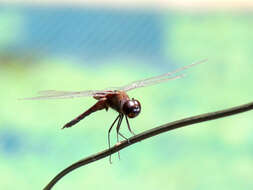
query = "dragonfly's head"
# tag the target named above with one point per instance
(132, 108)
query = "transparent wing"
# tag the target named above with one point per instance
(157, 79)
(140, 84)
(54, 94)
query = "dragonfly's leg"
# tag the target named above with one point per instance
(128, 125)
(110, 160)
(117, 129)
(120, 134)
(118, 126)
(101, 104)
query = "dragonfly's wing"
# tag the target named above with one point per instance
(140, 84)
(54, 94)
(157, 79)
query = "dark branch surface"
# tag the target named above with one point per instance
(150, 133)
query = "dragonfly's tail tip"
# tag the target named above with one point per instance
(66, 126)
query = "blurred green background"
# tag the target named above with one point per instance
(77, 48)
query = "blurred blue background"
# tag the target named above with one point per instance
(80, 48)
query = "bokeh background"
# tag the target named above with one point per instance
(79, 46)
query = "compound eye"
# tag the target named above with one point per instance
(131, 115)
(134, 112)
(132, 108)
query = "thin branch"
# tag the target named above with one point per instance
(150, 133)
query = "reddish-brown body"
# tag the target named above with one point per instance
(113, 100)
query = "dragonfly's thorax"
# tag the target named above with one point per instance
(116, 101)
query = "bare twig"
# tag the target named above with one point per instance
(150, 133)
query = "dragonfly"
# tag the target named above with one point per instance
(115, 98)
